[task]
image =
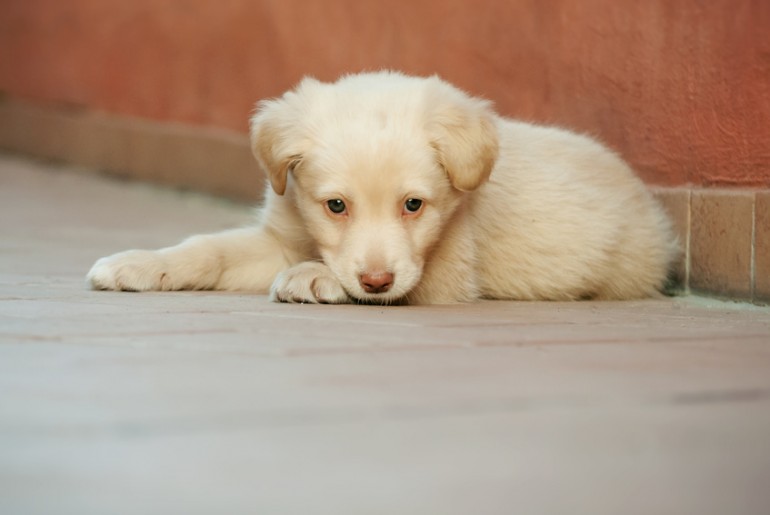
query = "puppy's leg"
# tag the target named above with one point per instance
(311, 282)
(239, 259)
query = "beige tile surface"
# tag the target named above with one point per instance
(762, 247)
(721, 242)
(225, 403)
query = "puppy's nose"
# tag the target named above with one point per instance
(376, 282)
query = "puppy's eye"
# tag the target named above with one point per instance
(336, 206)
(412, 205)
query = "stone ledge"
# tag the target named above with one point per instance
(725, 235)
(211, 160)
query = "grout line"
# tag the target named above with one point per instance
(752, 271)
(687, 238)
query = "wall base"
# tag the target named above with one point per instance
(212, 160)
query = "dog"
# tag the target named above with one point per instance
(392, 189)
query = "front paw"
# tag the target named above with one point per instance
(133, 270)
(308, 282)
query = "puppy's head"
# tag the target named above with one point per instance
(378, 165)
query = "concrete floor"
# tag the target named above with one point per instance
(114, 403)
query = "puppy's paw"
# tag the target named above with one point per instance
(133, 270)
(308, 282)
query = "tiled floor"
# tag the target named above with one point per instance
(225, 403)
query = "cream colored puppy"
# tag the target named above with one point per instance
(395, 189)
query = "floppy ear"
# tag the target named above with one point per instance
(269, 143)
(463, 132)
(276, 136)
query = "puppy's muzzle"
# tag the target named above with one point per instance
(376, 282)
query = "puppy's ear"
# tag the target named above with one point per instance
(276, 137)
(463, 132)
(268, 143)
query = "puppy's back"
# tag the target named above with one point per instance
(562, 217)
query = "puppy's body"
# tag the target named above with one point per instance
(387, 188)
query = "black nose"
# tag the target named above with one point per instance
(376, 282)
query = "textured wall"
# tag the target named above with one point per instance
(681, 89)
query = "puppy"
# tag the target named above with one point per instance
(395, 189)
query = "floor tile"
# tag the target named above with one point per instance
(209, 402)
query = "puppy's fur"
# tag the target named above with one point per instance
(395, 189)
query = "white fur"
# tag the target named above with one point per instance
(510, 210)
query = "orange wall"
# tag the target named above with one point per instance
(680, 88)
